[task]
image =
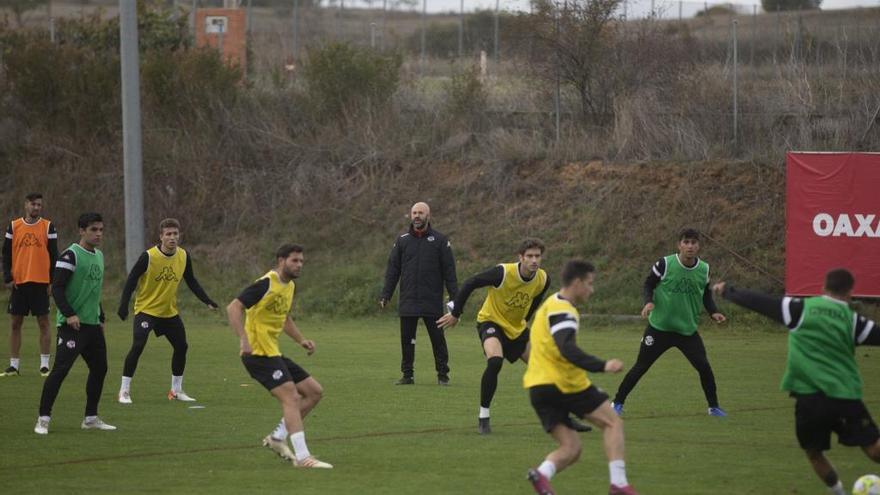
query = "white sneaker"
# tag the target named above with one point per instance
(124, 397)
(42, 427)
(181, 396)
(311, 462)
(279, 447)
(96, 424)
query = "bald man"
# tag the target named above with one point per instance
(422, 261)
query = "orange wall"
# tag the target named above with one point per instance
(234, 39)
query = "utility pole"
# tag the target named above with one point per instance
(131, 132)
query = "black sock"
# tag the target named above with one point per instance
(490, 380)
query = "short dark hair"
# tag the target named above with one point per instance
(839, 281)
(169, 223)
(574, 270)
(689, 233)
(34, 196)
(285, 250)
(531, 243)
(87, 219)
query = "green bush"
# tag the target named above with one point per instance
(342, 79)
(466, 95)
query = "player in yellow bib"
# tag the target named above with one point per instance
(258, 315)
(559, 385)
(515, 291)
(155, 278)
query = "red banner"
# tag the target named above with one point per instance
(832, 220)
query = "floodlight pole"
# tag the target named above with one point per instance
(131, 132)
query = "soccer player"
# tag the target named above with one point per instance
(674, 290)
(30, 249)
(76, 287)
(156, 275)
(515, 291)
(821, 372)
(258, 315)
(558, 384)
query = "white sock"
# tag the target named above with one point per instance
(484, 412)
(176, 383)
(126, 384)
(44, 360)
(617, 470)
(300, 451)
(14, 362)
(548, 469)
(837, 489)
(45, 418)
(280, 431)
(91, 419)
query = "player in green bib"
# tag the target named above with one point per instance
(76, 287)
(821, 371)
(676, 289)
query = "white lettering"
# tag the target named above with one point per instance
(864, 225)
(843, 227)
(823, 224)
(868, 225)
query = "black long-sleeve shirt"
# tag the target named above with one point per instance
(51, 246)
(140, 267)
(60, 278)
(563, 327)
(658, 270)
(492, 277)
(788, 311)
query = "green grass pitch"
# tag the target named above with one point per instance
(419, 439)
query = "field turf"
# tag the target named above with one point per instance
(419, 439)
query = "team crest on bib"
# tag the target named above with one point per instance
(145, 324)
(277, 375)
(649, 340)
(71, 344)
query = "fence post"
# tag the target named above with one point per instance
(461, 30)
(558, 95)
(424, 27)
(51, 21)
(679, 10)
(754, 34)
(735, 89)
(497, 14)
(295, 47)
(382, 33)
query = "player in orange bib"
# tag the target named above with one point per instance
(29, 253)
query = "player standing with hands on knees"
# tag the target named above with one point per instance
(258, 316)
(821, 372)
(675, 289)
(559, 385)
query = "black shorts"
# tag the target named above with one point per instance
(512, 349)
(147, 323)
(273, 371)
(553, 407)
(817, 415)
(30, 298)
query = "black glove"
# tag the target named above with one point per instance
(122, 312)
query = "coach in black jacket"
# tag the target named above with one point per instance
(422, 260)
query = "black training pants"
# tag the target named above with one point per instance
(408, 325)
(89, 343)
(654, 344)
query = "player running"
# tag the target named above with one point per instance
(821, 372)
(258, 315)
(515, 292)
(558, 385)
(156, 276)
